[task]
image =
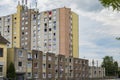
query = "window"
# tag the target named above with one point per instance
(36, 65)
(34, 17)
(29, 56)
(44, 65)
(45, 30)
(54, 27)
(22, 33)
(44, 75)
(49, 75)
(1, 68)
(26, 22)
(15, 18)
(49, 65)
(49, 29)
(54, 34)
(20, 64)
(49, 18)
(50, 12)
(36, 56)
(1, 52)
(49, 58)
(22, 28)
(69, 60)
(20, 54)
(45, 19)
(29, 74)
(45, 24)
(29, 64)
(36, 75)
(54, 11)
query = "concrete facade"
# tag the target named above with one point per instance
(19, 58)
(81, 69)
(37, 65)
(96, 72)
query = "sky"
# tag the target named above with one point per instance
(98, 27)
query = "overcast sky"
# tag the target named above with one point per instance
(98, 27)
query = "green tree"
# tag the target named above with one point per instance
(115, 4)
(110, 66)
(116, 67)
(11, 71)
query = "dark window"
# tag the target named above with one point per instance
(49, 29)
(8, 28)
(70, 60)
(56, 71)
(14, 37)
(54, 34)
(22, 33)
(15, 18)
(1, 68)
(45, 30)
(20, 64)
(0, 18)
(1, 52)
(50, 13)
(45, 24)
(49, 65)
(49, 18)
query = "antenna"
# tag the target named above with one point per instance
(93, 62)
(97, 63)
(22, 2)
(18, 2)
(26, 2)
(36, 5)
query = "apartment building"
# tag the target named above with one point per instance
(3, 57)
(81, 69)
(96, 72)
(54, 31)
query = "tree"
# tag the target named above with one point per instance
(115, 4)
(111, 67)
(11, 71)
(116, 67)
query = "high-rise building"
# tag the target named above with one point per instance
(54, 31)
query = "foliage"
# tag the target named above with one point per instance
(111, 66)
(115, 4)
(11, 71)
